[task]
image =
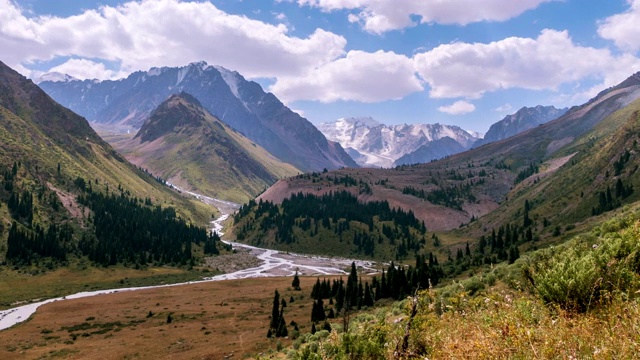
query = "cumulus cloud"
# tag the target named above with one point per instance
(384, 15)
(623, 29)
(460, 107)
(86, 69)
(552, 59)
(359, 76)
(167, 32)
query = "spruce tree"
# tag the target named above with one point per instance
(275, 313)
(296, 282)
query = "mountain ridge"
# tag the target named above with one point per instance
(524, 119)
(242, 104)
(380, 145)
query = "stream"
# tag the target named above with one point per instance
(274, 263)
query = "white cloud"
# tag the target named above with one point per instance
(460, 107)
(359, 76)
(623, 29)
(87, 69)
(470, 70)
(384, 15)
(165, 32)
(503, 108)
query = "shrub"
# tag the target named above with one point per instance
(580, 276)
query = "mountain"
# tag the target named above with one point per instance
(378, 145)
(525, 119)
(66, 193)
(186, 145)
(434, 150)
(241, 104)
(487, 186)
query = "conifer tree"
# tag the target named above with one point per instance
(295, 283)
(275, 312)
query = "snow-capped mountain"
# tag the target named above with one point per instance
(242, 104)
(373, 144)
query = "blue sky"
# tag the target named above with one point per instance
(462, 62)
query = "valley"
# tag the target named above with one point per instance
(271, 264)
(307, 180)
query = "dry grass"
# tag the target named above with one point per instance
(23, 286)
(210, 321)
(510, 325)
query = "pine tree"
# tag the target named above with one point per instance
(275, 313)
(296, 282)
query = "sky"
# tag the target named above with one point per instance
(458, 62)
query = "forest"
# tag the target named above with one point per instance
(363, 227)
(115, 228)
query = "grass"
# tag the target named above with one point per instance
(209, 320)
(23, 286)
(498, 314)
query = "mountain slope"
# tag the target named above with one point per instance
(524, 119)
(183, 143)
(49, 157)
(241, 104)
(381, 145)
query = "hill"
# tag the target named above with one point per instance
(62, 187)
(184, 144)
(241, 104)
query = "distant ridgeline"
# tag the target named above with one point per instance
(335, 224)
(110, 227)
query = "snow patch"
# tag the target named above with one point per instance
(181, 74)
(233, 80)
(154, 71)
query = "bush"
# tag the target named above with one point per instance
(581, 276)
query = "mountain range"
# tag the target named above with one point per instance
(371, 143)
(226, 94)
(544, 164)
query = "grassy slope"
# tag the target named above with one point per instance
(499, 314)
(26, 143)
(567, 196)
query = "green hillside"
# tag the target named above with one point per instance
(68, 199)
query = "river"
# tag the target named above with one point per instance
(274, 263)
